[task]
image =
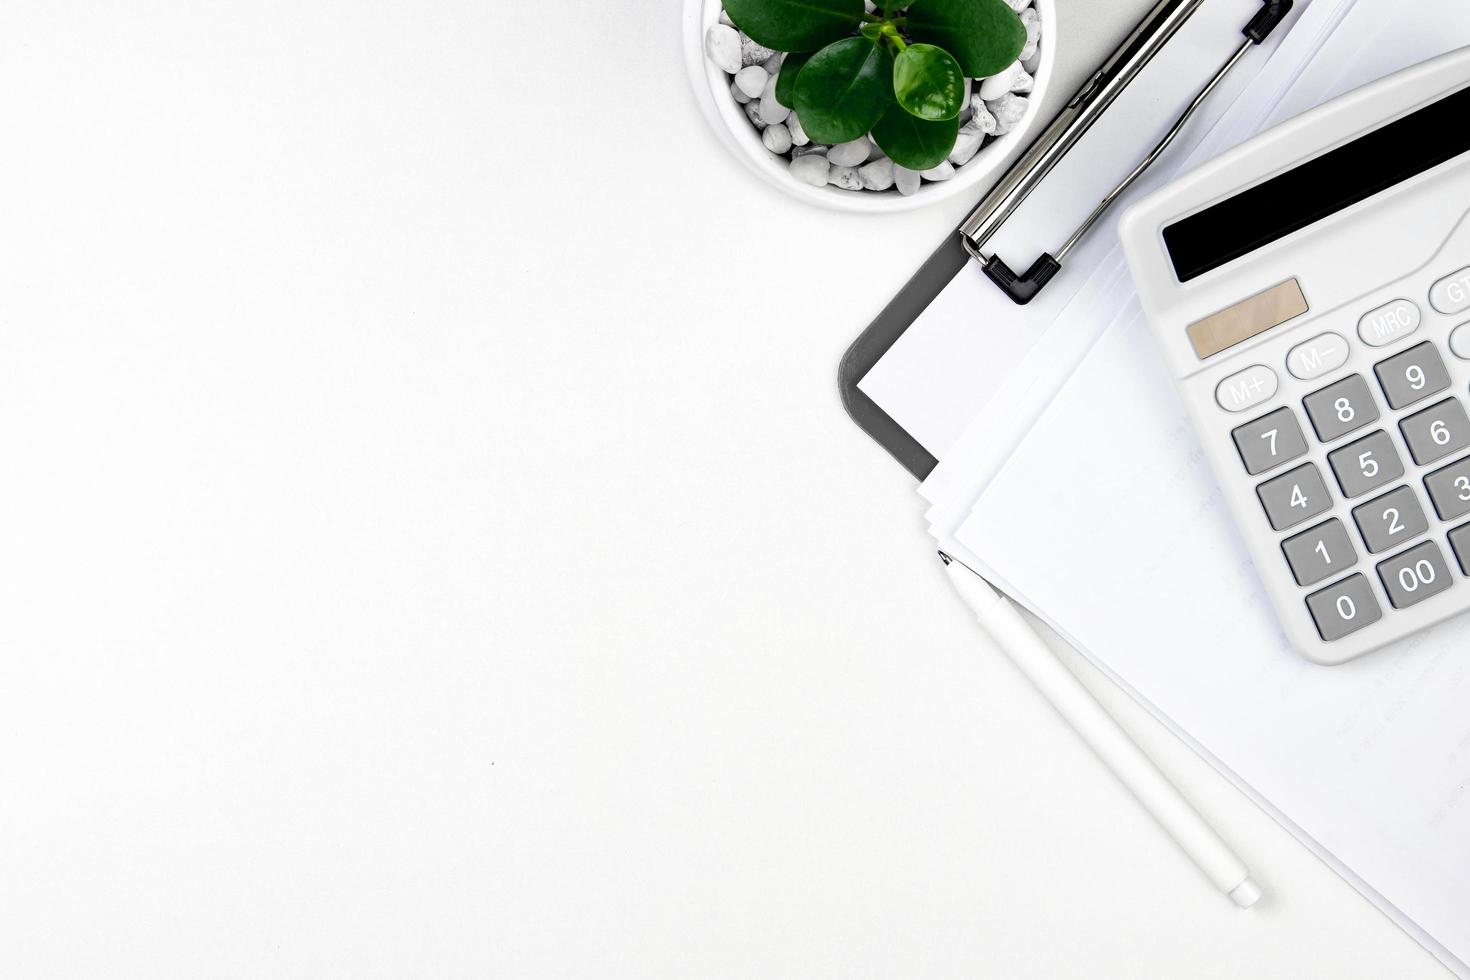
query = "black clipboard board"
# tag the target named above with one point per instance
(946, 261)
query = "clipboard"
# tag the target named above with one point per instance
(1089, 93)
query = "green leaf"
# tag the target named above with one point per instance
(984, 36)
(843, 90)
(928, 82)
(791, 66)
(795, 25)
(915, 143)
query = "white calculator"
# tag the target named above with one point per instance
(1310, 291)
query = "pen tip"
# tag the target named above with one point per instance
(945, 558)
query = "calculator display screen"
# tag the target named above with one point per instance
(1321, 187)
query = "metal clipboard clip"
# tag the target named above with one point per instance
(1073, 122)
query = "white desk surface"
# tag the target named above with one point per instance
(433, 546)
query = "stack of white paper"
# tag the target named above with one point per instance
(1093, 505)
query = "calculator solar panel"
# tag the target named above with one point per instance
(1310, 291)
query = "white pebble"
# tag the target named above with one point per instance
(1019, 5)
(752, 53)
(1008, 110)
(966, 145)
(798, 135)
(752, 81)
(846, 178)
(738, 95)
(1033, 64)
(942, 172)
(809, 148)
(777, 138)
(772, 111)
(878, 175)
(999, 84)
(981, 117)
(812, 168)
(773, 65)
(753, 113)
(851, 154)
(1023, 82)
(906, 180)
(722, 44)
(870, 6)
(1032, 22)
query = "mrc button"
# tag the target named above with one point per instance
(1246, 389)
(1388, 323)
(1452, 293)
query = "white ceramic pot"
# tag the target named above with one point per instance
(712, 90)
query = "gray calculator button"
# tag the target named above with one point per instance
(1340, 408)
(1295, 496)
(1460, 541)
(1438, 431)
(1269, 441)
(1390, 322)
(1412, 376)
(1366, 464)
(1323, 551)
(1391, 520)
(1449, 490)
(1452, 293)
(1415, 575)
(1344, 608)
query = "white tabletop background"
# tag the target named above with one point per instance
(432, 546)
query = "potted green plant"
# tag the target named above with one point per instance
(882, 97)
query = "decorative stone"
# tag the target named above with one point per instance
(845, 177)
(752, 81)
(753, 113)
(777, 138)
(966, 145)
(942, 172)
(851, 154)
(1008, 110)
(997, 85)
(878, 175)
(800, 151)
(1030, 20)
(980, 116)
(752, 53)
(772, 111)
(906, 180)
(738, 95)
(1019, 5)
(722, 45)
(798, 135)
(812, 168)
(1023, 81)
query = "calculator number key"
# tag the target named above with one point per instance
(1418, 574)
(1460, 541)
(1344, 608)
(1391, 520)
(1412, 376)
(1323, 551)
(1269, 441)
(1340, 408)
(1365, 465)
(1293, 497)
(1449, 490)
(1437, 431)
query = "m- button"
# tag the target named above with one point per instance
(1452, 293)
(1317, 356)
(1388, 323)
(1246, 389)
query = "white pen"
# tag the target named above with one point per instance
(1120, 753)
